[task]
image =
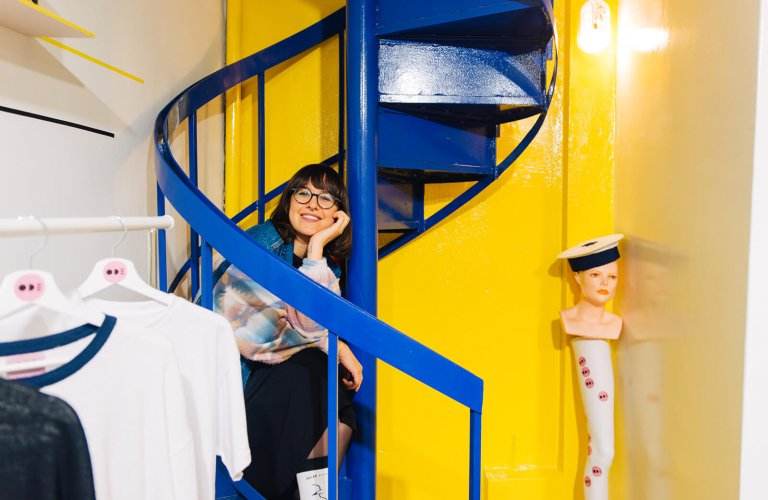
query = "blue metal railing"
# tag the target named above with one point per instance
(502, 166)
(362, 118)
(213, 229)
(256, 206)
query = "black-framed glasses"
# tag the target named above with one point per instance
(324, 200)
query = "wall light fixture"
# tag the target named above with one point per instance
(594, 26)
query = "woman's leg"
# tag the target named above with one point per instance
(312, 478)
(594, 371)
(312, 483)
(321, 448)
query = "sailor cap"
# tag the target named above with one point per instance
(593, 253)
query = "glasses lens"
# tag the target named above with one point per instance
(302, 195)
(325, 200)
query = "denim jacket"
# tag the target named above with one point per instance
(266, 235)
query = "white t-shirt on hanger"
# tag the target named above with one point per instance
(124, 384)
(209, 362)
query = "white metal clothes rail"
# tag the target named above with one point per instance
(77, 225)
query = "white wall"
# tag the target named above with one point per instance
(754, 451)
(51, 170)
(684, 156)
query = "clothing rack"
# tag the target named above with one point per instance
(34, 226)
(76, 225)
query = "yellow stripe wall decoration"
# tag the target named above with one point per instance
(92, 59)
(27, 18)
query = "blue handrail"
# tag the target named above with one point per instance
(216, 231)
(337, 314)
(239, 217)
(233, 74)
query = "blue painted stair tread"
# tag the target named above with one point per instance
(423, 144)
(420, 72)
(401, 207)
(477, 114)
(490, 22)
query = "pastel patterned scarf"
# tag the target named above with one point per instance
(266, 328)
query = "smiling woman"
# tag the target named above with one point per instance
(284, 352)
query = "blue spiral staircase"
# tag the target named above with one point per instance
(428, 83)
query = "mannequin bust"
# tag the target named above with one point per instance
(596, 272)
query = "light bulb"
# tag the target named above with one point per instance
(594, 26)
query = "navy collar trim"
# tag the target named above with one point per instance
(57, 340)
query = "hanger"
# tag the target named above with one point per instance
(121, 272)
(27, 287)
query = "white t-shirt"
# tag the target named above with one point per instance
(209, 362)
(125, 386)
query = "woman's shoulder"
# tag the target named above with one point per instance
(266, 235)
(261, 231)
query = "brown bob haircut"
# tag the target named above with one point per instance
(325, 179)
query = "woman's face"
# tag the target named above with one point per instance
(598, 285)
(308, 219)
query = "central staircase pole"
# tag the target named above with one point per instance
(362, 95)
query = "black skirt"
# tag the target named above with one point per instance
(286, 410)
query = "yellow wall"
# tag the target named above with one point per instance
(301, 102)
(482, 288)
(685, 107)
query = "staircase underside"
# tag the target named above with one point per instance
(450, 73)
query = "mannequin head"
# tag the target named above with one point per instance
(598, 284)
(596, 273)
(594, 267)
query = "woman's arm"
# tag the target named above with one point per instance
(319, 272)
(348, 360)
(258, 318)
(321, 238)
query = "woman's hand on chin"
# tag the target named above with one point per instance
(321, 238)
